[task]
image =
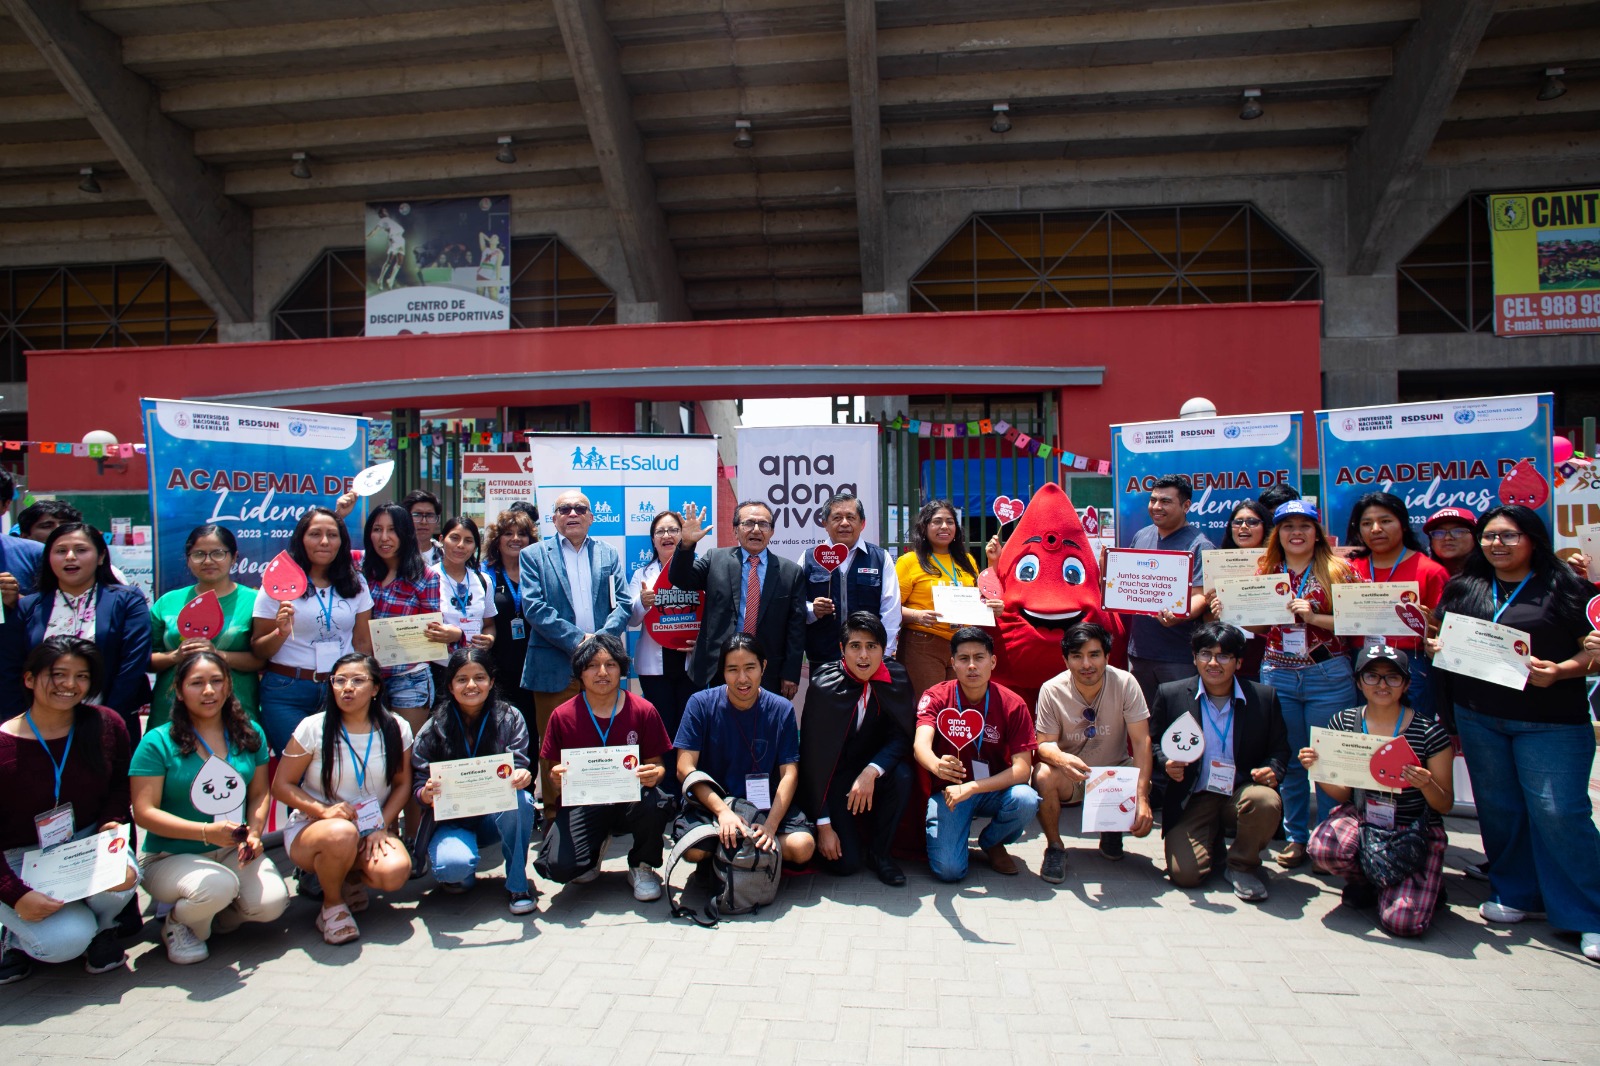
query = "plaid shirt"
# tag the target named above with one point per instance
(402, 597)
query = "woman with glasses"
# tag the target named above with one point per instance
(345, 775)
(1529, 751)
(938, 556)
(1452, 534)
(1248, 527)
(211, 552)
(663, 672)
(1405, 908)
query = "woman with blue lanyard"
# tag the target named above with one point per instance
(302, 640)
(472, 721)
(211, 552)
(939, 556)
(464, 596)
(512, 531)
(65, 765)
(346, 774)
(1529, 751)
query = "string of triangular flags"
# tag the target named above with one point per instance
(1000, 428)
(467, 438)
(82, 451)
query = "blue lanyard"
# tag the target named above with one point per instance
(1500, 608)
(951, 573)
(977, 744)
(1224, 736)
(605, 734)
(511, 589)
(460, 595)
(360, 767)
(1392, 569)
(1399, 718)
(1305, 578)
(473, 751)
(60, 767)
(202, 742)
(325, 609)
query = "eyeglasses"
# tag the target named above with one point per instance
(1221, 658)
(1510, 540)
(423, 518)
(1384, 678)
(668, 531)
(752, 525)
(571, 508)
(348, 682)
(1458, 533)
(215, 555)
(1245, 523)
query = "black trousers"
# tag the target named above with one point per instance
(572, 844)
(669, 693)
(889, 798)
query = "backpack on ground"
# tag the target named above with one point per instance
(744, 879)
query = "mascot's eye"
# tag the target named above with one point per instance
(208, 788)
(1072, 571)
(1028, 567)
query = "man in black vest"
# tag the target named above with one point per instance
(864, 581)
(854, 752)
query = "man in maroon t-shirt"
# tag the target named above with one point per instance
(976, 740)
(606, 715)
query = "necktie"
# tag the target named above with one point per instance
(752, 596)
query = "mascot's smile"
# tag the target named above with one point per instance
(1060, 621)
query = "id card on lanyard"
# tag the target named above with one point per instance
(327, 647)
(56, 825)
(757, 786)
(519, 627)
(1294, 639)
(369, 812)
(1378, 808)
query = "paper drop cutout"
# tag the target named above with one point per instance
(989, 584)
(830, 556)
(1525, 485)
(372, 480)
(1388, 763)
(1008, 508)
(1412, 616)
(201, 618)
(283, 580)
(1183, 741)
(218, 790)
(959, 727)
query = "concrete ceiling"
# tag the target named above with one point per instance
(407, 97)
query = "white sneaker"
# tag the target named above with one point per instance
(646, 885)
(594, 872)
(1590, 943)
(1490, 911)
(183, 947)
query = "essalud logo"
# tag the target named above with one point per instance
(590, 460)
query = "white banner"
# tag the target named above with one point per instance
(492, 482)
(794, 469)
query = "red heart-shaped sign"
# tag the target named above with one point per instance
(201, 617)
(1389, 762)
(959, 727)
(1008, 508)
(1593, 612)
(1091, 521)
(1524, 485)
(1413, 618)
(989, 584)
(830, 556)
(283, 580)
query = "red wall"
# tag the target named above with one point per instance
(1244, 357)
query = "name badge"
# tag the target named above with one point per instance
(470, 627)
(1221, 777)
(1294, 640)
(866, 570)
(980, 770)
(1380, 811)
(54, 826)
(758, 790)
(519, 629)
(369, 814)
(327, 653)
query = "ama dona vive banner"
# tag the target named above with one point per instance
(794, 469)
(627, 480)
(1445, 453)
(255, 470)
(1229, 459)
(438, 266)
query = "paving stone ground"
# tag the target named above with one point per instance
(1115, 964)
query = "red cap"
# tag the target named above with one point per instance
(1445, 514)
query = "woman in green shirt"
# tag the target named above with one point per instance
(211, 552)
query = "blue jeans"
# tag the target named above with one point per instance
(65, 935)
(454, 849)
(1531, 783)
(1009, 811)
(409, 690)
(1308, 696)
(285, 703)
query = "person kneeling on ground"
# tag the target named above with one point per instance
(853, 751)
(1407, 903)
(345, 776)
(1090, 714)
(1231, 785)
(747, 740)
(576, 843)
(977, 741)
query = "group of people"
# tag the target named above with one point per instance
(287, 703)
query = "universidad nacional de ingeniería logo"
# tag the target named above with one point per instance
(1509, 212)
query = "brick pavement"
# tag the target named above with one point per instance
(1115, 963)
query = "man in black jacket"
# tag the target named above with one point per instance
(735, 579)
(1240, 752)
(854, 751)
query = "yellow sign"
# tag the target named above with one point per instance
(1546, 262)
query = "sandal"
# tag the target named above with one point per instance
(355, 897)
(336, 925)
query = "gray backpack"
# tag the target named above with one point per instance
(744, 879)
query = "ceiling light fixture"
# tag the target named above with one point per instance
(88, 184)
(742, 137)
(301, 169)
(1252, 105)
(1552, 86)
(505, 154)
(1002, 119)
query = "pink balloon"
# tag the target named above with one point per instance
(1561, 448)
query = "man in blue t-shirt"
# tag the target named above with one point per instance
(747, 739)
(1158, 647)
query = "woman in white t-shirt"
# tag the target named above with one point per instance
(301, 641)
(345, 775)
(465, 598)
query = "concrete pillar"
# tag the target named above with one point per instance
(1359, 306)
(243, 332)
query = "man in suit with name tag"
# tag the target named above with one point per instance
(865, 581)
(749, 589)
(572, 587)
(1233, 783)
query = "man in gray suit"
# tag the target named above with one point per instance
(572, 588)
(736, 580)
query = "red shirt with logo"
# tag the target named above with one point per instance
(1006, 730)
(636, 722)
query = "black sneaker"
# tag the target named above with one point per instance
(522, 903)
(14, 966)
(1111, 846)
(104, 953)
(1359, 894)
(130, 922)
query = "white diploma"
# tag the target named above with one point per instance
(961, 606)
(1367, 608)
(1219, 563)
(1147, 582)
(469, 788)
(1484, 650)
(1110, 799)
(403, 640)
(600, 775)
(78, 869)
(1345, 758)
(1255, 601)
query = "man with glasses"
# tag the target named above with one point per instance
(865, 581)
(572, 587)
(1231, 783)
(1158, 646)
(1090, 714)
(749, 589)
(423, 506)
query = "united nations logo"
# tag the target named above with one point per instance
(1509, 212)
(1231, 432)
(297, 429)
(1465, 415)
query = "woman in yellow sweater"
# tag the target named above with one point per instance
(939, 556)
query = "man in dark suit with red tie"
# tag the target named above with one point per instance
(749, 589)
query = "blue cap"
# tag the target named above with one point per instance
(1295, 507)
